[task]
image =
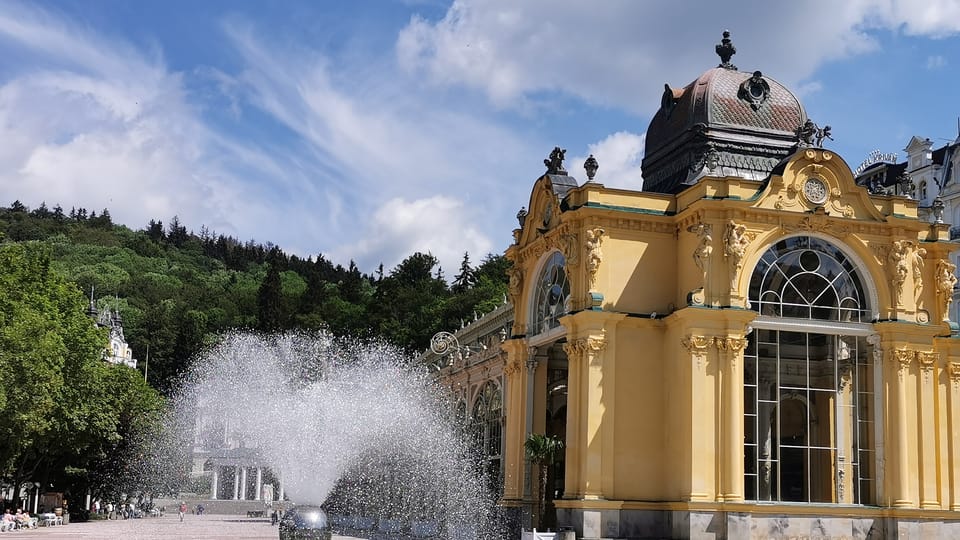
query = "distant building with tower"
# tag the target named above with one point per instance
(118, 351)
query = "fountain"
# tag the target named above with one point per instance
(348, 425)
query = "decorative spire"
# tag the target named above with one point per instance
(92, 308)
(726, 50)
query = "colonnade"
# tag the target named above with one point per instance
(240, 481)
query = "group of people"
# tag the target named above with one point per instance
(20, 520)
(117, 511)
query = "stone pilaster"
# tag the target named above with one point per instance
(927, 388)
(731, 406)
(515, 422)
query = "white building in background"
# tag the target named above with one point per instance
(118, 351)
(929, 175)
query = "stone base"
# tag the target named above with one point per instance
(604, 524)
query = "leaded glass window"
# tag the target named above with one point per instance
(552, 295)
(809, 400)
(487, 424)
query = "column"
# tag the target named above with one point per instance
(954, 426)
(595, 407)
(731, 348)
(256, 495)
(528, 474)
(243, 483)
(699, 471)
(236, 482)
(215, 482)
(281, 486)
(929, 498)
(515, 414)
(572, 445)
(901, 490)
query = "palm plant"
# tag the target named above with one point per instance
(541, 451)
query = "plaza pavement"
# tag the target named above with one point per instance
(209, 527)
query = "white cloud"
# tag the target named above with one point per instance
(375, 141)
(618, 156)
(514, 50)
(102, 126)
(442, 226)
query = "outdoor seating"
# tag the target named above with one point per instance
(49, 519)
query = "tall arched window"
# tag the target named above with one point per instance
(923, 190)
(552, 295)
(488, 430)
(809, 402)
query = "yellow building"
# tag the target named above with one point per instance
(752, 347)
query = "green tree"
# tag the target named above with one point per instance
(51, 373)
(269, 312)
(541, 451)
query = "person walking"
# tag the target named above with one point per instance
(183, 509)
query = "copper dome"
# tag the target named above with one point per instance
(725, 123)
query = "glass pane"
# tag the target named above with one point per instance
(822, 486)
(793, 474)
(749, 428)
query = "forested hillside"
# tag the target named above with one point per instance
(176, 289)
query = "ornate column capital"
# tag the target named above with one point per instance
(731, 344)
(587, 348)
(902, 359)
(697, 346)
(953, 369)
(927, 361)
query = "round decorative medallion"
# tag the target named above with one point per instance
(815, 190)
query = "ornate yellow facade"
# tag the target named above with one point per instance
(710, 393)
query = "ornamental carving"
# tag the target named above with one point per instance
(732, 345)
(704, 248)
(927, 361)
(515, 285)
(594, 237)
(754, 90)
(874, 341)
(902, 359)
(946, 281)
(587, 348)
(569, 247)
(916, 266)
(899, 268)
(953, 368)
(512, 367)
(818, 223)
(735, 242)
(697, 346)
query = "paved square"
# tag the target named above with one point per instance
(210, 527)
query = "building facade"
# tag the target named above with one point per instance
(755, 346)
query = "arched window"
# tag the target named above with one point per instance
(487, 424)
(809, 402)
(552, 295)
(923, 190)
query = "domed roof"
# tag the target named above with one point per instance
(724, 123)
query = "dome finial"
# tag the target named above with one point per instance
(726, 50)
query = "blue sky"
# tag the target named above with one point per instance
(368, 130)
